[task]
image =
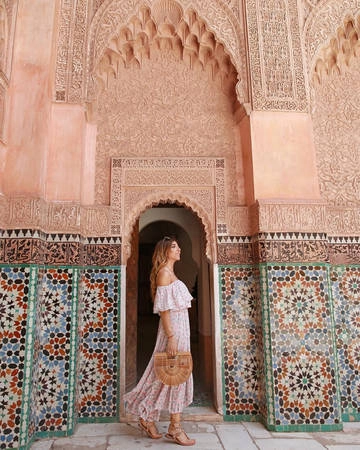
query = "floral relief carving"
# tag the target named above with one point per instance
(77, 40)
(336, 57)
(336, 119)
(132, 194)
(165, 110)
(322, 24)
(278, 80)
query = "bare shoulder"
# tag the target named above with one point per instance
(163, 277)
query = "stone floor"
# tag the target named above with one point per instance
(209, 435)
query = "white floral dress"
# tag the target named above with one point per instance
(150, 396)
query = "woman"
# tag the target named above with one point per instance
(171, 300)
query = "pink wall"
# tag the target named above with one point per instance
(29, 99)
(283, 156)
(63, 171)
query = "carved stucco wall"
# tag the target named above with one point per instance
(275, 55)
(84, 36)
(332, 41)
(165, 109)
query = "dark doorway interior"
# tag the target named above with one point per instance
(147, 322)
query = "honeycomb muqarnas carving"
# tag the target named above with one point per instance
(165, 27)
(336, 56)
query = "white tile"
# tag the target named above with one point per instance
(205, 441)
(333, 438)
(343, 447)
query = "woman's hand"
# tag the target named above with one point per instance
(171, 348)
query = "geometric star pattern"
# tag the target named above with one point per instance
(98, 367)
(303, 354)
(242, 343)
(14, 289)
(345, 284)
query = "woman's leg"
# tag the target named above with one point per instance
(176, 433)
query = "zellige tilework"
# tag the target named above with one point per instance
(345, 282)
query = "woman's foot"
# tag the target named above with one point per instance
(150, 429)
(178, 435)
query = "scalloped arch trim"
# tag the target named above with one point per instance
(175, 198)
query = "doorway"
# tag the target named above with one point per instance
(193, 270)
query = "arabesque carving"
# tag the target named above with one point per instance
(336, 56)
(165, 28)
(336, 119)
(136, 186)
(165, 109)
(74, 74)
(275, 52)
(322, 24)
(303, 216)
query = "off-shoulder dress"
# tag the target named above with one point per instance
(150, 396)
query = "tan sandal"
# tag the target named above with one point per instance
(150, 429)
(178, 435)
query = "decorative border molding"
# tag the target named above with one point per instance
(291, 216)
(139, 183)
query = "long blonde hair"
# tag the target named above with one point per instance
(159, 259)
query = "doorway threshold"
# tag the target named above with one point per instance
(198, 414)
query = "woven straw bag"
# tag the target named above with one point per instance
(173, 370)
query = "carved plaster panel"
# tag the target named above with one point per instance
(336, 119)
(165, 109)
(275, 51)
(76, 41)
(322, 24)
(302, 216)
(136, 186)
(22, 212)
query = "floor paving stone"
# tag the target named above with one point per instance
(211, 435)
(288, 444)
(235, 438)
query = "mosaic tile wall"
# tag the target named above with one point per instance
(53, 375)
(298, 323)
(289, 345)
(345, 283)
(242, 343)
(98, 365)
(59, 334)
(17, 301)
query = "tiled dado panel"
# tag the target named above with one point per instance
(345, 283)
(54, 367)
(300, 355)
(99, 336)
(17, 316)
(242, 343)
(59, 333)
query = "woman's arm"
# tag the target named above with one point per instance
(171, 348)
(164, 279)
